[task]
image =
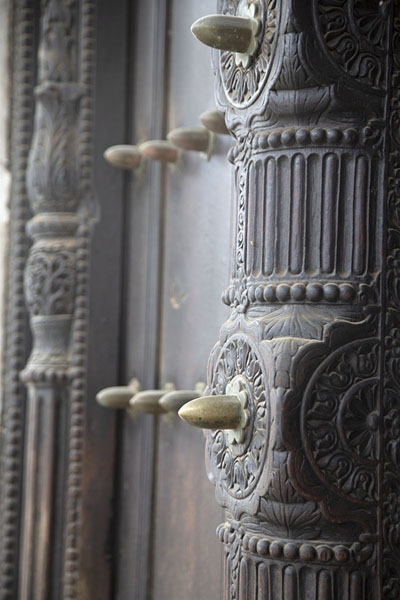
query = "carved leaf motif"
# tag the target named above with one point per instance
(356, 38)
(290, 520)
(53, 174)
(296, 321)
(50, 282)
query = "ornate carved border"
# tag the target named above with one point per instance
(15, 339)
(391, 329)
(79, 336)
(55, 160)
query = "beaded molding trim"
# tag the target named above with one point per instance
(305, 551)
(297, 292)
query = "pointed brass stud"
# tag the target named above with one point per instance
(229, 412)
(214, 120)
(123, 156)
(172, 402)
(148, 401)
(213, 412)
(160, 150)
(118, 397)
(226, 32)
(193, 139)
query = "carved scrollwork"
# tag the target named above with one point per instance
(391, 403)
(355, 34)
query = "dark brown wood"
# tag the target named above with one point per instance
(97, 558)
(59, 185)
(23, 41)
(44, 547)
(194, 227)
(308, 497)
(196, 259)
(314, 299)
(140, 310)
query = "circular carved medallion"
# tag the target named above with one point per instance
(237, 466)
(243, 81)
(340, 421)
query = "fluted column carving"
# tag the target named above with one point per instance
(311, 494)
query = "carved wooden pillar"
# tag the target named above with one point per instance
(59, 189)
(312, 493)
(14, 322)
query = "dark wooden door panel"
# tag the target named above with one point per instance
(177, 243)
(196, 261)
(140, 331)
(187, 557)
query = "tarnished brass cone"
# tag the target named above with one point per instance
(213, 412)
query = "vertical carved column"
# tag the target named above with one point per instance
(312, 492)
(13, 400)
(59, 188)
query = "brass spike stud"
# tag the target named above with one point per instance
(173, 401)
(214, 120)
(232, 33)
(123, 156)
(118, 397)
(193, 139)
(160, 150)
(225, 32)
(147, 401)
(213, 412)
(227, 412)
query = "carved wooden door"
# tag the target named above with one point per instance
(302, 398)
(176, 265)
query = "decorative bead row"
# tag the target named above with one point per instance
(303, 136)
(279, 549)
(287, 138)
(48, 375)
(298, 292)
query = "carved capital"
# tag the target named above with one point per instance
(315, 59)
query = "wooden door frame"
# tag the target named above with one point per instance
(70, 474)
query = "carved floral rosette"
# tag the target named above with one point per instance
(307, 516)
